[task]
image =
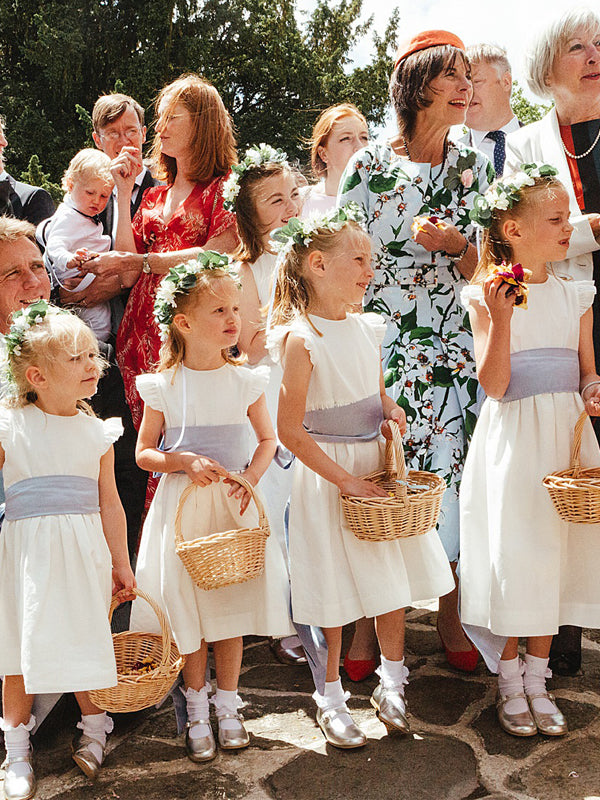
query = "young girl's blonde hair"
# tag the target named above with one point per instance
(495, 249)
(87, 165)
(294, 292)
(251, 246)
(172, 351)
(42, 342)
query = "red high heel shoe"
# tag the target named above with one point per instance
(358, 670)
(465, 660)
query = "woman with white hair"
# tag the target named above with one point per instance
(564, 65)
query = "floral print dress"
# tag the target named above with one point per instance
(428, 348)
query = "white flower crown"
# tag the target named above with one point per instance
(181, 280)
(255, 157)
(302, 231)
(503, 194)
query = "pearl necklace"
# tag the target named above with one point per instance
(587, 152)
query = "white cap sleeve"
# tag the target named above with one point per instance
(376, 323)
(258, 382)
(471, 294)
(299, 327)
(147, 386)
(586, 291)
(113, 430)
(5, 425)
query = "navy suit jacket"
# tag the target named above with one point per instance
(31, 203)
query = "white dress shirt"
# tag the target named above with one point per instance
(480, 141)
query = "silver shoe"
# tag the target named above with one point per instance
(391, 709)
(337, 733)
(236, 738)
(22, 788)
(84, 757)
(551, 724)
(521, 724)
(202, 748)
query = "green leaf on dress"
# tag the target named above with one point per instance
(382, 183)
(442, 376)
(396, 249)
(420, 333)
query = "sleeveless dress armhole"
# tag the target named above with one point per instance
(147, 386)
(376, 324)
(586, 291)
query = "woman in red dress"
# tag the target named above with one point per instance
(193, 151)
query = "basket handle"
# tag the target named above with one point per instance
(395, 465)
(575, 452)
(262, 516)
(164, 628)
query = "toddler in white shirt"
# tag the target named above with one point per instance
(74, 233)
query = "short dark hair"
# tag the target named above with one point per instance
(411, 78)
(109, 107)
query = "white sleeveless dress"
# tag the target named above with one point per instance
(337, 578)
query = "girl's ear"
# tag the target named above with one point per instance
(181, 323)
(316, 262)
(35, 377)
(511, 230)
(321, 154)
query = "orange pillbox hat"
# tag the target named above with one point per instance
(425, 40)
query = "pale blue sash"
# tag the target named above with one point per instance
(354, 422)
(227, 444)
(546, 370)
(47, 495)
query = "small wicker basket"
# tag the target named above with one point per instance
(222, 559)
(134, 692)
(575, 492)
(413, 508)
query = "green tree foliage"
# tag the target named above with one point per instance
(274, 71)
(525, 110)
(35, 176)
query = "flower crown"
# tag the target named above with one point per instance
(22, 321)
(255, 157)
(181, 280)
(504, 194)
(302, 231)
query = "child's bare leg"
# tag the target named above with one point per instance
(228, 662)
(388, 697)
(548, 717)
(16, 703)
(194, 671)
(333, 637)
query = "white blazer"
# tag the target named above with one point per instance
(541, 142)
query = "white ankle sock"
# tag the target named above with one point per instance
(334, 697)
(197, 708)
(16, 741)
(393, 674)
(96, 726)
(510, 681)
(534, 680)
(227, 703)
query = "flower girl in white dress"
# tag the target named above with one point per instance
(524, 571)
(63, 533)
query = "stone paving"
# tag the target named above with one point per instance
(455, 751)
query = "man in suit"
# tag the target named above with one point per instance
(489, 117)
(20, 200)
(118, 122)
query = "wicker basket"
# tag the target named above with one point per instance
(222, 559)
(413, 509)
(575, 492)
(134, 692)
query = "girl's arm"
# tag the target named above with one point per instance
(199, 469)
(114, 524)
(391, 410)
(491, 334)
(587, 366)
(263, 455)
(252, 335)
(292, 407)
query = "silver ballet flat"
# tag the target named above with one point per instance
(22, 788)
(236, 738)
(391, 709)
(521, 724)
(550, 724)
(338, 733)
(84, 757)
(202, 748)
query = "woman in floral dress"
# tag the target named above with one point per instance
(417, 191)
